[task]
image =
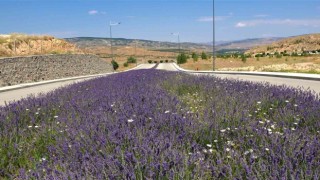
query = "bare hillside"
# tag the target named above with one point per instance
(21, 45)
(298, 44)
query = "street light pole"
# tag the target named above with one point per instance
(213, 42)
(179, 43)
(112, 24)
(177, 34)
(135, 52)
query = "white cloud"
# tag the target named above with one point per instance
(93, 12)
(216, 18)
(241, 24)
(287, 22)
(206, 19)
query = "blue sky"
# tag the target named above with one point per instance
(156, 19)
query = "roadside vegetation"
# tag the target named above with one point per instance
(152, 124)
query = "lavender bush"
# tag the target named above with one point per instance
(152, 124)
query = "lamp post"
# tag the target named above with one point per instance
(177, 34)
(112, 24)
(213, 42)
(135, 52)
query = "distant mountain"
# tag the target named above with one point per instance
(221, 46)
(89, 42)
(298, 44)
(246, 43)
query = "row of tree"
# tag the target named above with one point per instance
(183, 58)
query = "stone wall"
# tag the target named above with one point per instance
(17, 70)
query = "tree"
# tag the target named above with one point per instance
(182, 58)
(195, 56)
(243, 58)
(115, 65)
(204, 55)
(131, 60)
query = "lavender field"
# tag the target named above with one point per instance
(152, 124)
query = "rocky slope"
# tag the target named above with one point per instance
(21, 45)
(297, 44)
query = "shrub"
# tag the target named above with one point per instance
(131, 60)
(149, 61)
(155, 62)
(115, 65)
(161, 61)
(182, 58)
(204, 56)
(195, 56)
(125, 64)
(167, 61)
(243, 58)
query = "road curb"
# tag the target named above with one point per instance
(314, 77)
(26, 85)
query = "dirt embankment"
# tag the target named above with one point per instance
(22, 45)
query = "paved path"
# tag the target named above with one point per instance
(143, 66)
(167, 67)
(17, 94)
(297, 83)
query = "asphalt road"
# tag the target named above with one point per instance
(8, 96)
(13, 95)
(296, 83)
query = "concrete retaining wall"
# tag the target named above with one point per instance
(17, 70)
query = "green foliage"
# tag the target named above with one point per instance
(161, 61)
(279, 56)
(115, 65)
(131, 60)
(243, 58)
(204, 56)
(125, 64)
(156, 62)
(195, 56)
(149, 61)
(167, 61)
(182, 58)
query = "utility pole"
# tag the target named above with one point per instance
(112, 24)
(177, 34)
(213, 42)
(135, 52)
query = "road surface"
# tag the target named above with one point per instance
(296, 83)
(12, 95)
(17, 94)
